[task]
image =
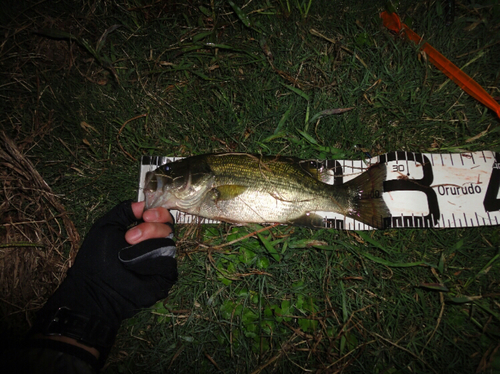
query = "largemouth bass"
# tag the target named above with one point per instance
(245, 188)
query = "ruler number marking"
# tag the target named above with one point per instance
(421, 185)
(491, 202)
(398, 168)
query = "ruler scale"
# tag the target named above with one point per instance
(422, 190)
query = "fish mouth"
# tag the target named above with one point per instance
(153, 188)
(152, 183)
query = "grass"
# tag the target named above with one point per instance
(86, 99)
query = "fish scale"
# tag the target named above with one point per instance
(270, 192)
(280, 175)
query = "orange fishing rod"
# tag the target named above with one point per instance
(466, 83)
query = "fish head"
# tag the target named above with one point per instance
(178, 185)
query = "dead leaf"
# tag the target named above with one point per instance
(87, 128)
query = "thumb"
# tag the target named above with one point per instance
(151, 257)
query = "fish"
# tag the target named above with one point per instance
(244, 188)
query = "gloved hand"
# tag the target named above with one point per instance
(110, 279)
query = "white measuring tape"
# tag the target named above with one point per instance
(422, 190)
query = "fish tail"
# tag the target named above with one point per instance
(366, 202)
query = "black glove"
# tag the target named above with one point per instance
(109, 281)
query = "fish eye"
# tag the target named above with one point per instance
(170, 171)
(310, 164)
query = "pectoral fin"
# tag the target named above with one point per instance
(311, 220)
(229, 191)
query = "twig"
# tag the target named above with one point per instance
(120, 131)
(284, 348)
(402, 348)
(298, 332)
(479, 49)
(440, 317)
(21, 244)
(350, 353)
(318, 34)
(246, 236)
(212, 361)
(179, 351)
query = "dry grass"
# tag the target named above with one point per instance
(38, 240)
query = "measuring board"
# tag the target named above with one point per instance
(423, 190)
